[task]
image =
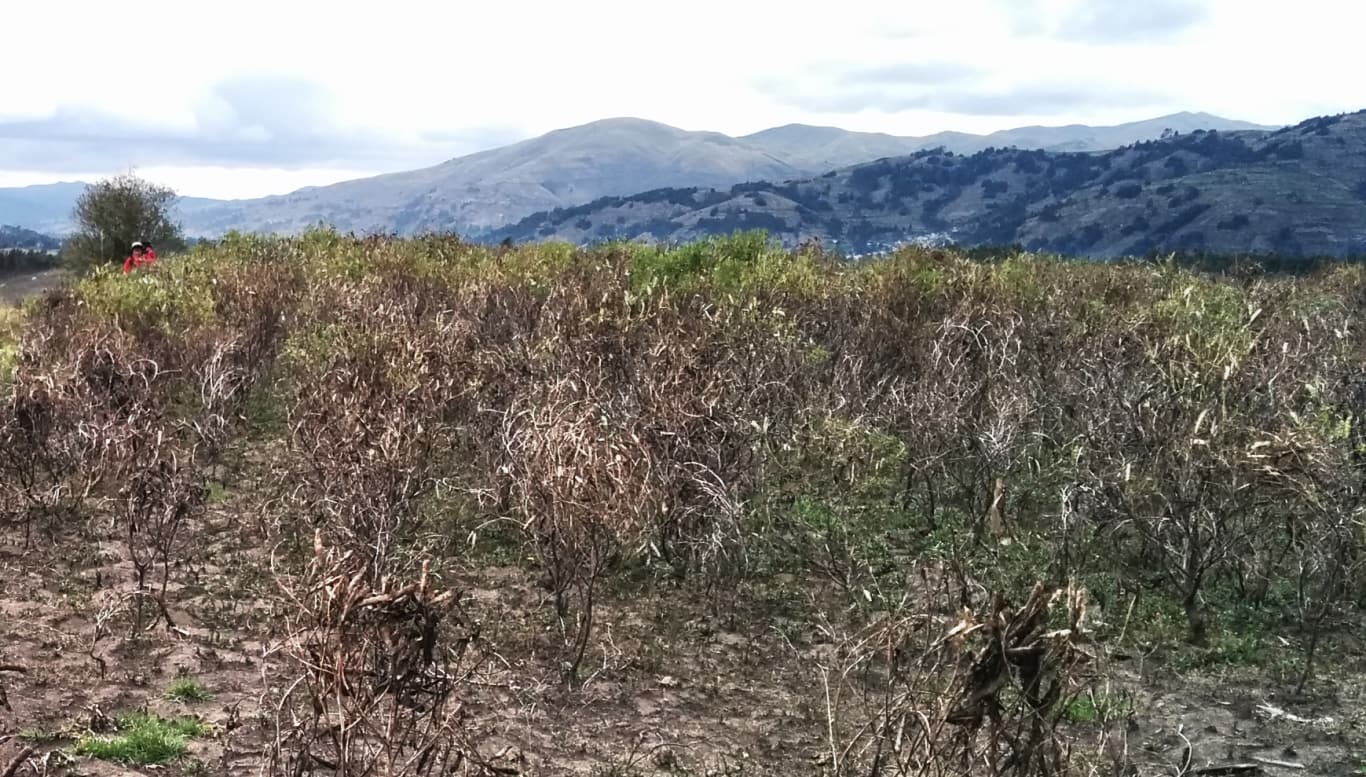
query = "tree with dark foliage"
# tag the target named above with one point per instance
(113, 214)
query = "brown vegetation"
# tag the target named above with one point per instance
(947, 461)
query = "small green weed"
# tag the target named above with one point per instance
(188, 690)
(1227, 649)
(11, 323)
(38, 736)
(217, 493)
(142, 739)
(1099, 707)
(264, 409)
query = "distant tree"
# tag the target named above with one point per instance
(1286, 241)
(1233, 223)
(1129, 191)
(991, 188)
(1027, 163)
(1292, 150)
(111, 214)
(1138, 225)
(868, 177)
(15, 260)
(1187, 194)
(1190, 241)
(1092, 234)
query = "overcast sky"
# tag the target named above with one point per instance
(263, 96)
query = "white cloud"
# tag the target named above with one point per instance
(405, 83)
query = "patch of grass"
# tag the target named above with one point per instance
(188, 690)
(143, 739)
(264, 410)
(1230, 650)
(11, 324)
(1239, 635)
(217, 493)
(1100, 707)
(38, 736)
(78, 593)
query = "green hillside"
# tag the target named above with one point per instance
(1293, 192)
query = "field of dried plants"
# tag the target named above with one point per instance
(338, 506)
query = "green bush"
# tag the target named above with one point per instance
(113, 213)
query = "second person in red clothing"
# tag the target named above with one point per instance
(141, 255)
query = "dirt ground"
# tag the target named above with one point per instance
(671, 687)
(15, 288)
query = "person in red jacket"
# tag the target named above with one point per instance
(141, 255)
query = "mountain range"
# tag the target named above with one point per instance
(819, 149)
(1298, 191)
(479, 193)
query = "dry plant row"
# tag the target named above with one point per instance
(1139, 419)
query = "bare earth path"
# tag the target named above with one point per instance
(18, 287)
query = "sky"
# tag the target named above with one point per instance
(259, 97)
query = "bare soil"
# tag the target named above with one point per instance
(14, 289)
(672, 683)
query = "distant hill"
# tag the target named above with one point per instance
(1079, 137)
(481, 192)
(45, 208)
(492, 188)
(826, 148)
(1298, 190)
(26, 239)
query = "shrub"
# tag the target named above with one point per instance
(991, 188)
